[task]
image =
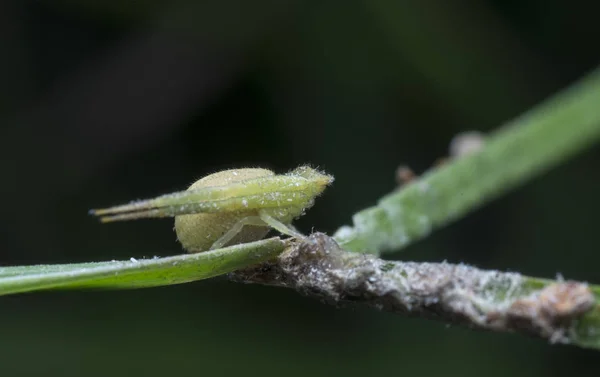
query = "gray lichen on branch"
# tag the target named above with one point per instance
(454, 293)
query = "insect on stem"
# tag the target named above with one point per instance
(219, 202)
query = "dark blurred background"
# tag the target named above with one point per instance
(106, 101)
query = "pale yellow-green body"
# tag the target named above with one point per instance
(231, 206)
(199, 231)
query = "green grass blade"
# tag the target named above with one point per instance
(138, 273)
(537, 141)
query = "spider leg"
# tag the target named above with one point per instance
(263, 219)
(235, 229)
(279, 226)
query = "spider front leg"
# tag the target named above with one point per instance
(279, 226)
(263, 219)
(235, 229)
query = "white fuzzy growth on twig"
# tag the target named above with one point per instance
(455, 293)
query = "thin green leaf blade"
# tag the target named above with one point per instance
(138, 273)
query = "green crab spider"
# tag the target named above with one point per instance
(231, 206)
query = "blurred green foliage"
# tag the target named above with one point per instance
(103, 101)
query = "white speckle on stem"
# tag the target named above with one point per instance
(423, 186)
(466, 143)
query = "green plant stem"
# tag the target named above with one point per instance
(318, 267)
(519, 151)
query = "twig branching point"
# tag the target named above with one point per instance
(454, 293)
